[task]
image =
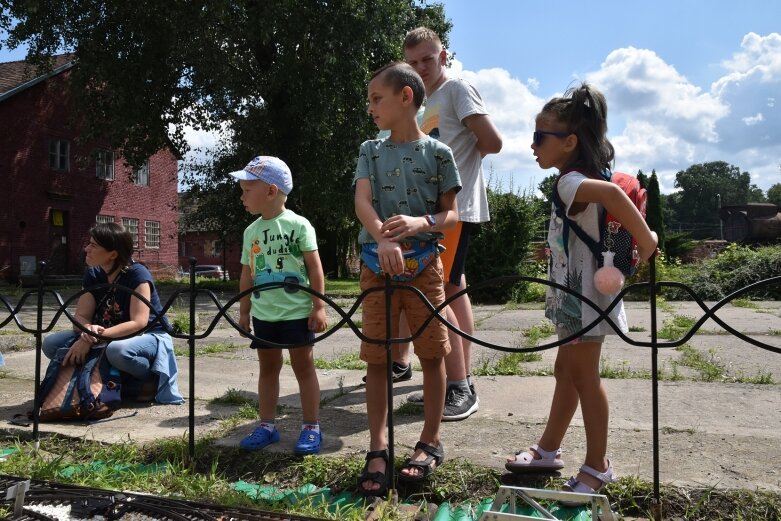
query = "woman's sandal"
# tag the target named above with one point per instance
(575, 485)
(550, 461)
(433, 455)
(381, 478)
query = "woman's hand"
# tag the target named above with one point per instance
(77, 353)
(90, 339)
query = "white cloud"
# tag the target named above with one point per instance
(658, 118)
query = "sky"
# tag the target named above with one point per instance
(686, 81)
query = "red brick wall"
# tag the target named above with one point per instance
(199, 245)
(32, 190)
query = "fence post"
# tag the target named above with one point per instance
(656, 504)
(191, 343)
(38, 343)
(389, 382)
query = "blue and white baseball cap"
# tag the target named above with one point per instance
(268, 169)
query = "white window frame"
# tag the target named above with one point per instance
(104, 219)
(59, 154)
(131, 225)
(104, 164)
(152, 234)
(141, 174)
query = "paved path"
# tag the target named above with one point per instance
(722, 433)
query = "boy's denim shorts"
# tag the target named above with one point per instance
(433, 341)
(294, 332)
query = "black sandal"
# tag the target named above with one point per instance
(433, 455)
(381, 478)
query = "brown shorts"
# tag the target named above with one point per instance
(433, 341)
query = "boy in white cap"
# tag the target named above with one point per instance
(280, 246)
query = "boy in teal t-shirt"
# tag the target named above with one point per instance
(280, 246)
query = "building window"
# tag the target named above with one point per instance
(59, 154)
(141, 174)
(104, 164)
(152, 234)
(131, 225)
(103, 219)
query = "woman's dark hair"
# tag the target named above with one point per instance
(114, 237)
(583, 110)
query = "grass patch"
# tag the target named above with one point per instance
(342, 287)
(409, 409)
(211, 475)
(676, 327)
(637, 329)
(709, 370)
(663, 305)
(672, 430)
(345, 361)
(509, 364)
(744, 303)
(761, 378)
(208, 349)
(774, 332)
(620, 371)
(233, 397)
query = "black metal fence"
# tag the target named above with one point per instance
(191, 293)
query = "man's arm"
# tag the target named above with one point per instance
(489, 141)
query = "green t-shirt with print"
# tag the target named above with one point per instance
(274, 251)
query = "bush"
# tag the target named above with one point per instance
(736, 267)
(500, 247)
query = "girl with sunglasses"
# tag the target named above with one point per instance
(571, 135)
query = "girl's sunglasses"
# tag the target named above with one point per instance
(539, 135)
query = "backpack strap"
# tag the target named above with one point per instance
(561, 212)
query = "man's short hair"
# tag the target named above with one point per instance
(420, 35)
(399, 75)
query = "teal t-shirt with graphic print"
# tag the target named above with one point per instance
(274, 251)
(406, 179)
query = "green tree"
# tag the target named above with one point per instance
(501, 246)
(774, 194)
(701, 188)
(283, 77)
(643, 179)
(654, 214)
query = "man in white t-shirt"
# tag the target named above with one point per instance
(455, 114)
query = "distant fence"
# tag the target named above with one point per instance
(191, 293)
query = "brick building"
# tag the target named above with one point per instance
(55, 187)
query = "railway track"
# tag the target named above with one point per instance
(47, 500)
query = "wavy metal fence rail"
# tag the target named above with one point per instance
(191, 293)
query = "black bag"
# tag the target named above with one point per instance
(86, 392)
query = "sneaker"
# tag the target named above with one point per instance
(308, 442)
(401, 373)
(459, 405)
(417, 398)
(259, 439)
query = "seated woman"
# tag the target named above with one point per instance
(112, 312)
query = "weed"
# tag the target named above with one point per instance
(233, 397)
(761, 378)
(623, 371)
(180, 322)
(744, 303)
(663, 305)
(676, 327)
(672, 430)
(208, 349)
(708, 368)
(409, 409)
(637, 329)
(345, 361)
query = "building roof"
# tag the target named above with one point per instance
(20, 75)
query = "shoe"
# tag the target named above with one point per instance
(308, 442)
(550, 461)
(435, 455)
(401, 373)
(259, 439)
(380, 478)
(417, 398)
(459, 405)
(573, 485)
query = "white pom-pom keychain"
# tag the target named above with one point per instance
(608, 279)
